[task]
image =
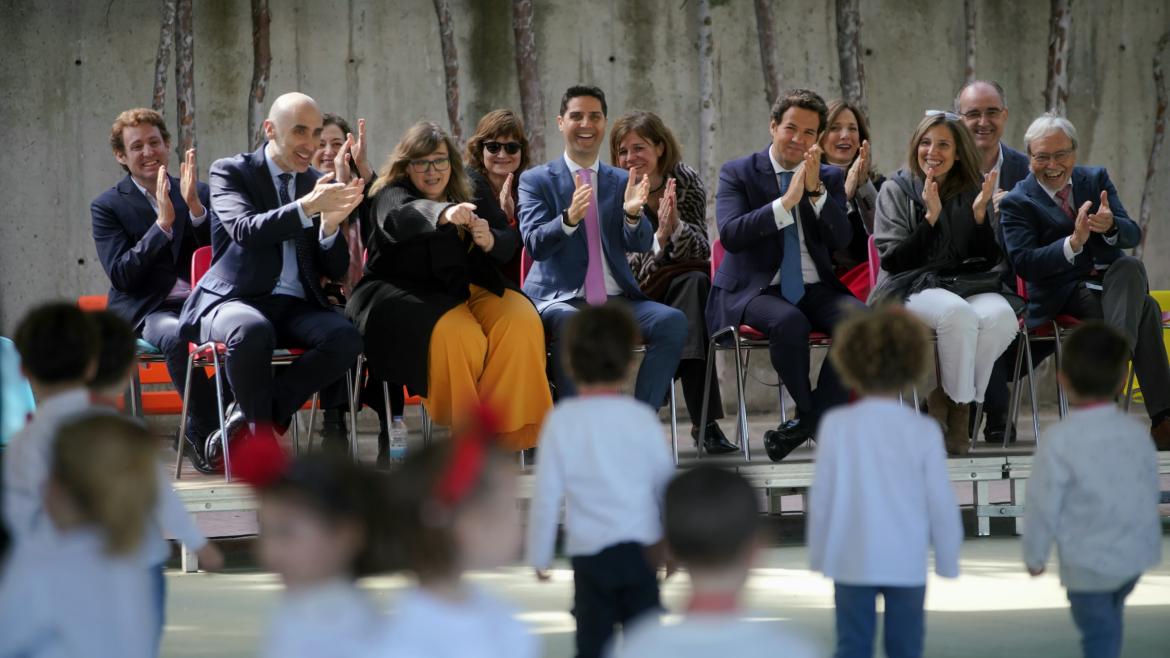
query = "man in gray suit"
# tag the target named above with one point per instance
(983, 106)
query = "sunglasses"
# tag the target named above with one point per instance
(511, 148)
(951, 116)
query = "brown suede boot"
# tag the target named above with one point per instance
(958, 442)
(1161, 435)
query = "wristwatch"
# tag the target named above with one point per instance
(819, 191)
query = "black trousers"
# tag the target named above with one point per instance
(688, 293)
(161, 329)
(615, 586)
(252, 329)
(788, 328)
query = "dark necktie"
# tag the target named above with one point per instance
(1062, 200)
(306, 268)
(791, 277)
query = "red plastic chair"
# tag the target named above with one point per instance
(151, 370)
(211, 354)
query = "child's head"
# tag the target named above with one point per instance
(711, 517)
(321, 518)
(103, 474)
(117, 353)
(599, 344)
(881, 351)
(58, 345)
(1095, 362)
(453, 507)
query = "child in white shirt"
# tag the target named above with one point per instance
(712, 525)
(322, 526)
(1094, 491)
(75, 586)
(881, 496)
(452, 508)
(604, 454)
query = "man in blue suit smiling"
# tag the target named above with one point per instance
(1064, 229)
(578, 218)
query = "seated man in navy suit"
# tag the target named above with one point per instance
(780, 214)
(275, 233)
(578, 218)
(146, 228)
(984, 109)
(1065, 228)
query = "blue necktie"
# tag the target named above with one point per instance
(791, 278)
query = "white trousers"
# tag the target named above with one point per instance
(972, 333)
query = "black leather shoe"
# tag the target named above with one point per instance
(994, 435)
(789, 436)
(236, 426)
(715, 442)
(192, 446)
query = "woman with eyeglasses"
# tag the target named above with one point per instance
(496, 155)
(677, 272)
(845, 144)
(435, 310)
(938, 251)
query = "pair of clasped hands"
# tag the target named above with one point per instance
(636, 196)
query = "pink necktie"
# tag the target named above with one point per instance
(594, 275)
(1062, 197)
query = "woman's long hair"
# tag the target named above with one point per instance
(651, 128)
(964, 174)
(419, 141)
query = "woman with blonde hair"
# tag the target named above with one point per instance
(435, 310)
(938, 253)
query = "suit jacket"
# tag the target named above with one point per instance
(560, 260)
(248, 230)
(140, 260)
(1034, 230)
(1014, 169)
(755, 246)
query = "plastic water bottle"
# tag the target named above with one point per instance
(398, 434)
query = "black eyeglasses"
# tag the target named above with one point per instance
(950, 116)
(511, 148)
(422, 166)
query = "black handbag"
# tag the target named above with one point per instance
(973, 276)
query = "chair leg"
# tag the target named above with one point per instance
(740, 375)
(134, 393)
(1032, 389)
(225, 444)
(1061, 402)
(354, 407)
(978, 422)
(426, 424)
(1017, 388)
(296, 431)
(711, 352)
(182, 449)
(914, 397)
(1129, 387)
(314, 402)
(673, 424)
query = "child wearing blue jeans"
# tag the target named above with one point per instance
(881, 496)
(1094, 491)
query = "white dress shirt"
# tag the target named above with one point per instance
(181, 289)
(606, 457)
(881, 496)
(784, 217)
(289, 283)
(1069, 254)
(1094, 493)
(707, 635)
(331, 620)
(62, 596)
(481, 626)
(611, 284)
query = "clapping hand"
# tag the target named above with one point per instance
(930, 197)
(812, 168)
(667, 213)
(1082, 228)
(795, 190)
(858, 171)
(335, 201)
(361, 156)
(636, 193)
(162, 195)
(580, 203)
(189, 184)
(507, 201)
(986, 192)
(341, 160)
(481, 233)
(1102, 220)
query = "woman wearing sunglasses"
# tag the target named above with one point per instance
(496, 155)
(435, 310)
(677, 272)
(938, 251)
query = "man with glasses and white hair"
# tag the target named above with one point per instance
(1065, 228)
(983, 106)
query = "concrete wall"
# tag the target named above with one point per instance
(68, 67)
